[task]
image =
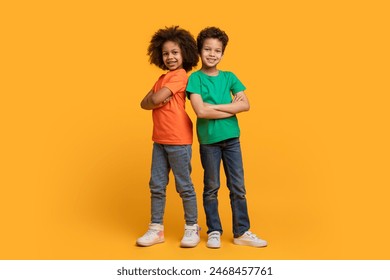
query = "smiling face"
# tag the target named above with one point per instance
(211, 53)
(171, 54)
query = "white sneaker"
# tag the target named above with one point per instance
(214, 240)
(250, 239)
(191, 236)
(154, 235)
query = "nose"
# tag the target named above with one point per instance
(213, 53)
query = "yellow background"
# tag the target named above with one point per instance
(76, 147)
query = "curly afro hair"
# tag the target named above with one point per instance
(181, 37)
(212, 32)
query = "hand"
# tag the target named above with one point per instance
(237, 98)
(167, 100)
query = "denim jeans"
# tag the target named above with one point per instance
(177, 158)
(229, 152)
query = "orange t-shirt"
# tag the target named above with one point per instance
(171, 124)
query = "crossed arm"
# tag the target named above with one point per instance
(155, 100)
(204, 110)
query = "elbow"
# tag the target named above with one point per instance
(200, 114)
(154, 102)
(246, 106)
(144, 105)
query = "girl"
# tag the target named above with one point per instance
(175, 50)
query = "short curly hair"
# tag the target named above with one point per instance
(178, 35)
(212, 32)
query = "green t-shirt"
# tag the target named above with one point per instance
(215, 90)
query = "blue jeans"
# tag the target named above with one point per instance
(229, 152)
(177, 158)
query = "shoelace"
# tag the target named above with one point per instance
(251, 235)
(150, 232)
(214, 236)
(189, 232)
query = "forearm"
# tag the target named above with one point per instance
(239, 104)
(204, 112)
(211, 113)
(147, 103)
(150, 102)
(232, 108)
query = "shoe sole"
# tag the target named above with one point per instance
(141, 244)
(213, 246)
(187, 245)
(246, 243)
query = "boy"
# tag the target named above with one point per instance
(210, 91)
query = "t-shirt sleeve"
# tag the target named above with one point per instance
(236, 86)
(176, 81)
(193, 85)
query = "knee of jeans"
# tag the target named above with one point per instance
(157, 190)
(239, 195)
(158, 184)
(186, 192)
(210, 195)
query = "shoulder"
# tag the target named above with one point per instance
(194, 83)
(176, 76)
(162, 76)
(195, 74)
(177, 73)
(227, 74)
(230, 77)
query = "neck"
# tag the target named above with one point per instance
(210, 71)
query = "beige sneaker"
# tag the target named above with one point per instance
(191, 236)
(249, 239)
(154, 235)
(214, 240)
